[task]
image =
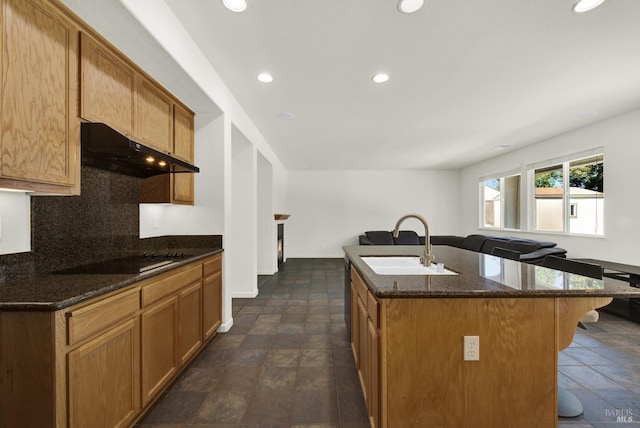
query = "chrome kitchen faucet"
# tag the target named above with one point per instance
(428, 257)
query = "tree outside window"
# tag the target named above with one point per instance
(576, 206)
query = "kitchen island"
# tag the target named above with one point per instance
(407, 334)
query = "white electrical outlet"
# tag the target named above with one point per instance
(472, 348)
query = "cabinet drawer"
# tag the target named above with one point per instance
(211, 267)
(372, 308)
(88, 320)
(169, 284)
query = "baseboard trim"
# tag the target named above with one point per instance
(225, 327)
(244, 295)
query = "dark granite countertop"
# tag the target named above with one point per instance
(479, 275)
(51, 292)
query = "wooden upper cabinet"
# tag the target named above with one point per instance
(183, 189)
(40, 139)
(183, 133)
(154, 116)
(174, 188)
(106, 87)
(182, 184)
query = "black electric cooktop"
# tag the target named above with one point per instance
(132, 264)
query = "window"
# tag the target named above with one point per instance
(569, 196)
(501, 202)
(573, 211)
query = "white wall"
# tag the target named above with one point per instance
(267, 260)
(241, 247)
(330, 209)
(620, 138)
(15, 222)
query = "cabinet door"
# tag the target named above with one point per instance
(212, 304)
(355, 326)
(189, 321)
(40, 140)
(182, 184)
(106, 87)
(104, 378)
(363, 368)
(159, 347)
(373, 393)
(154, 116)
(183, 133)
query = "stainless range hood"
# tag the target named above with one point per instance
(105, 148)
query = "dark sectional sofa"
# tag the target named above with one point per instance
(531, 251)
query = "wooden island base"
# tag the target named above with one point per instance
(410, 358)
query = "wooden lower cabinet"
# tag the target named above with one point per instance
(211, 296)
(103, 362)
(103, 379)
(159, 347)
(373, 380)
(363, 366)
(412, 369)
(189, 322)
(365, 342)
(355, 326)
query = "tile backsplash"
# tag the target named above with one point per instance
(100, 224)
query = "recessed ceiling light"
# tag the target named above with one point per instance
(410, 6)
(285, 115)
(265, 77)
(235, 5)
(586, 5)
(380, 77)
(500, 147)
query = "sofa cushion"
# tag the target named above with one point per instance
(522, 246)
(451, 240)
(493, 242)
(537, 257)
(407, 237)
(380, 237)
(473, 242)
(544, 244)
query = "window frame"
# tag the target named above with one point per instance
(565, 162)
(501, 176)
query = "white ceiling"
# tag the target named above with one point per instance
(466, 76)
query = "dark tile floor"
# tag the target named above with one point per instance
(286, 362)
(602, 368)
